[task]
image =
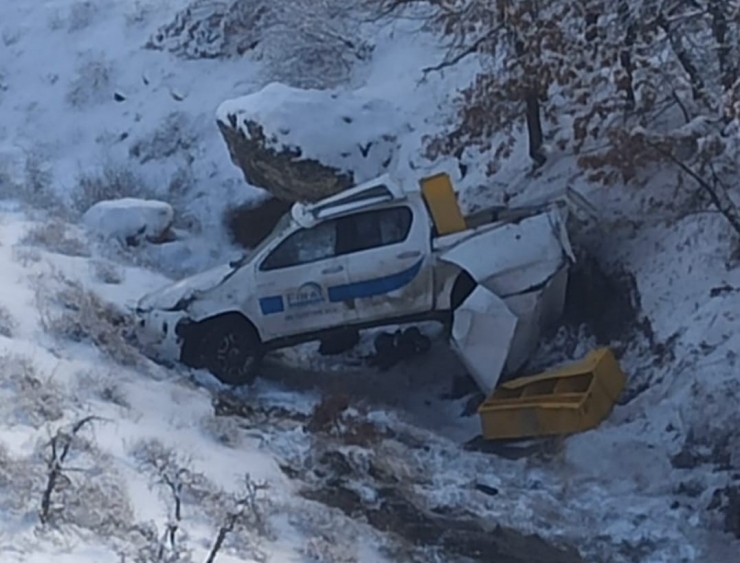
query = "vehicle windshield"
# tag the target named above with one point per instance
(282, 224)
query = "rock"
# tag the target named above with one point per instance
(130, 220)
(303, 145)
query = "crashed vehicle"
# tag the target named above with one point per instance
(375, 255)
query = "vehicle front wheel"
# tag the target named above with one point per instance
(230, 349)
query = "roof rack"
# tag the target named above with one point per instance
(374, 192)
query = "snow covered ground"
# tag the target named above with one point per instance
(88, 113)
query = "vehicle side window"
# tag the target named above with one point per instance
(373, 229)
(303, 247)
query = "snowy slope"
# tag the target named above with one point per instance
(102, 106)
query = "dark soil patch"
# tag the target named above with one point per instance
(227, 404)
(393, 512)
(727, 502)
(249, 224)
(695, 452)
(607, 303)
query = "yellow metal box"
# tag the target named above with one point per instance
(566, 400)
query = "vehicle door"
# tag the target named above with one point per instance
(293, 280)
(388, 262)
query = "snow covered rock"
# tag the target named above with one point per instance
(303, 145)
(130, 220)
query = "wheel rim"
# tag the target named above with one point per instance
(233, 357)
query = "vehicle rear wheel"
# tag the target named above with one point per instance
(461, 290)
(230, 349)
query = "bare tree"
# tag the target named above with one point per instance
(243, 511)
(59, 448)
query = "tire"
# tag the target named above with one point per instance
(461, 290)
(230, 349)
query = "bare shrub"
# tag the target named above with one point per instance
(19, 479)
(90, 494)
(304, 43)
(104, 387)
(175, 135)
(8, 324)
(324, 551)
(240, 517)
(225, 430)
(36, 398)
(56, 236)
(107, 272)
(110, 181)
(11, 36)
(313, 44)
(71, 312)
(242, 512)
(93, 83)
(37, 189)
(26, 255)
(81, 15)
(167, 467)
(139, 13)
(26, 176)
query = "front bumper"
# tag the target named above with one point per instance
(159, 333)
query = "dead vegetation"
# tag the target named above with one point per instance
(81, 488)
(56, 236)
(69, 311)
(30, 396)
(304, 43)
(111, 181)
(107, 272)
(240, 517)
(8, 323)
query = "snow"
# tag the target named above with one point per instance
(341, 129)
(129, 219)
(606, 490)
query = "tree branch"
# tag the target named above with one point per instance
(471, 49)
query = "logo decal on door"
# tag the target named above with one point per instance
(309, 293)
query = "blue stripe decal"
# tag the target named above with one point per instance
(357, 290)
(271, 305)
(376, 286)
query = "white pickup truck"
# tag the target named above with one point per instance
(375, 255)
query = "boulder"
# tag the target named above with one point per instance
(303, 145)
(130, 220)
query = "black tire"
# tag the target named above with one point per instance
(461, 290)
(231, 350)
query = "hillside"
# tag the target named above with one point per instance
(107, 456)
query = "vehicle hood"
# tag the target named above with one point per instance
(180, 294)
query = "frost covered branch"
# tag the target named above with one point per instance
(244, 511)
(60, 445)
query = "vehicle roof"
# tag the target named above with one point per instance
(368, 194)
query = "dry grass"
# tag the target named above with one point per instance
(107, 272)
(71, 312)
(31, 397)
(8, 324)
(56, 236)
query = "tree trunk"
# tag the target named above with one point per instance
(625, 56)
(679, 49)
(727, 67)
(534, 126)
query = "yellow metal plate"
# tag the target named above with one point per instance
(442, 203)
